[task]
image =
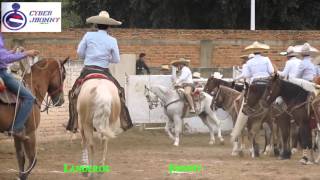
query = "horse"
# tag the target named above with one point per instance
(98, 108)
(174, 103)
(213, 83)
(230, 100)
(47, 76)
(297, 100)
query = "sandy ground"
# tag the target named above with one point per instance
(136, 155)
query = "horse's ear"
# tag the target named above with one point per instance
(65, 60)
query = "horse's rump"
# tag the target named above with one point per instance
(99, 105)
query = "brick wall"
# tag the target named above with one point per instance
(222, 50)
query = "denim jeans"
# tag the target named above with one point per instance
(26, 99)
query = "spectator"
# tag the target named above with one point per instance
(141, 65)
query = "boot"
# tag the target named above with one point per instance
(73, 115)
(20, 134)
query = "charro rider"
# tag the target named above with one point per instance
(27, 99)
(306, 69)
(98, 49)
(185, 80)
(292, 63)
(245, 59)
(257, 68)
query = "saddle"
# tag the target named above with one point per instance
(80, 81)
(6, 96)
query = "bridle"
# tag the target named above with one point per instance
(48, 103)
(153, 102)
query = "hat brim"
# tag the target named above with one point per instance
(256, 49)
(177, 62)
(103, 20)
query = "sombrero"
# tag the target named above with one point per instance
(257, 47)
(103, 18)
(180, 61)
(307, 50)
(196, 75)
(291, 51)
(164, 67)
(247, 56)
(217, 75)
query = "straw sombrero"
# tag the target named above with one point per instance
(180, 61)
(165, 67)
(103, 18)
(247, 57)
(307, 50)
(196, 75)
(217, 75)
(257, 47)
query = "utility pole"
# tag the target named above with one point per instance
(253, 16)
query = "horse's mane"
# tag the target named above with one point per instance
(293, 91)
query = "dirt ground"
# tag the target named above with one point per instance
(143, 155)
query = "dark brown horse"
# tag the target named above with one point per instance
(47, 76)
(296, 99)
(214, 83)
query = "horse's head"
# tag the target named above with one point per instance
(273, 89)
(217, 100)
(152, 98)
(56, 78)
(212, 85)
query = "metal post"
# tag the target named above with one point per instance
(253, 16)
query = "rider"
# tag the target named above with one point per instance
(185, 80)
(292, 64)
(244, 65)
(306, 69)
(27, 99)
(98, 49)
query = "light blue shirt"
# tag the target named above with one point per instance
(258, 67)
(306, 69)
(98, 49)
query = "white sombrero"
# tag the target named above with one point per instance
(180, 61)
(257, 47)
(307, 50)
(165, 67)
(217, 75)
(196, 75)
(103, 18)
(291, 51)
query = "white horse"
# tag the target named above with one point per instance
(98, 107)
(174, 104)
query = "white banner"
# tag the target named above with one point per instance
(31, 16)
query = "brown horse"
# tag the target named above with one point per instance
(47, 76)
(214, 83)
(296, 99)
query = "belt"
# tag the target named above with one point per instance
(96, 67)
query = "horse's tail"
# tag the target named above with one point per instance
(240, 123)
(102, 110)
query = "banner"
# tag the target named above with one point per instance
(31, 17)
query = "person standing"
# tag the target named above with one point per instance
(27, 99)
(141, 65)
(185, 80)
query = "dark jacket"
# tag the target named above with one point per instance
(140, 66)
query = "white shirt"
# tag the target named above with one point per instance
(258, 67)
(317, 70)
(306, 69)
(185, 76)
(291, 67)
(98, 49)
(243, 70)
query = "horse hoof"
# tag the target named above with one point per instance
(176, 144)
(212, 142)
(235, 153)
(294, 150)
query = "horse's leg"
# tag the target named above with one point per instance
(168, 128)
(294, 134)
(105, 149)
(267, 135)
(214, 118)
(30, 150)
(20, 155)
(209, 125)
(85, 156)
(178, 128)
(306, 142)
(317, 141)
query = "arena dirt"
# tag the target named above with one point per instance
(144, 155)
